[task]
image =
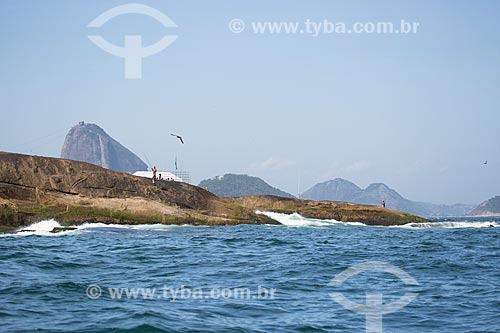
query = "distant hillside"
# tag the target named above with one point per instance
(231, 185)
(488, 208)
(89, 143)
(333, 190)
(343, 190)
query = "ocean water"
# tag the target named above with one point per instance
(105, 278)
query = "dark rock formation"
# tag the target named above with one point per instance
(89, 143)
(231, 185)
(34, 188)
(61, 229)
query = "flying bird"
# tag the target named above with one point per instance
(178, 137)
(485, 162)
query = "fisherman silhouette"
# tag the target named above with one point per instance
(154, 174)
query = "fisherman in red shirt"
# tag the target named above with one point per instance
(154, 174)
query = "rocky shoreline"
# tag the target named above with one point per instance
(329, 210)
(34, 188)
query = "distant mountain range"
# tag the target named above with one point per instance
(89, 143)
(490, 207)
(231, 185)
(343, 190)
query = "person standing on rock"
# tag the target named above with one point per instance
(154, 174)
(383, 203)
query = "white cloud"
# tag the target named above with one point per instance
(346, 170)
(357, 166)
(272, 164)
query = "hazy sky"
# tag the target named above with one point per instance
(420, 112)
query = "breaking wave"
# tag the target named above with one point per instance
(450, 225)
(45, 228)
(296, 220)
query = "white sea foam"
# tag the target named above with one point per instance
(128, 226)
(44, 228)
(448, 225)
(297, 220)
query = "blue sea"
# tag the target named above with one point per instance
(153, 278)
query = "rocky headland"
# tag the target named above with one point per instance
(329, 210)
(34, 188)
